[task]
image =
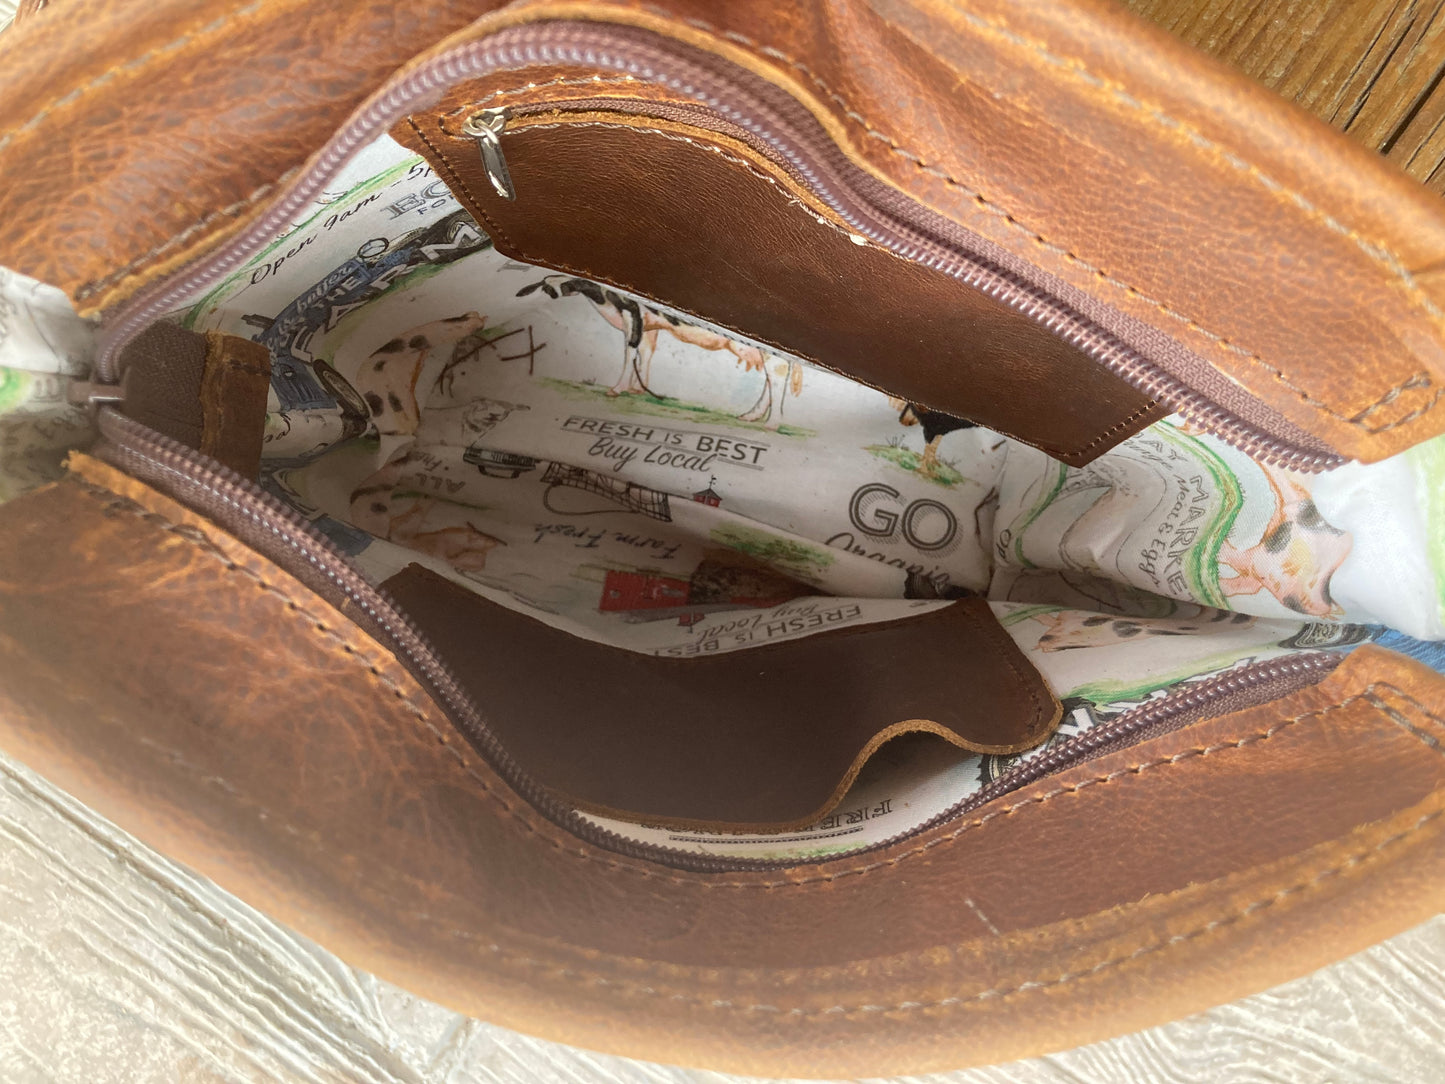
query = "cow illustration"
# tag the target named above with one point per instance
(641, 325)
(385, 506)
(1295, 557)
(1070, 629)
(387, 379)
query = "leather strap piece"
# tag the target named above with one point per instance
(1163, 194)
(765, 739)
(234, 387)
(206, 391)
(231, 718)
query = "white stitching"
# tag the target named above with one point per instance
(225, 212)
(136, 62)
(993, 993)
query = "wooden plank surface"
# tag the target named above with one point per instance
(1375, 69)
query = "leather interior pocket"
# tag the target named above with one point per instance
(665, 201)
(763, 739)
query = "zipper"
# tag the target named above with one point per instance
(496, 122)
(1250, 686)
(244, 509)
(770, 122)
(485, 126)
(773, 120)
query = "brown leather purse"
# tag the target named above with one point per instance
(850, 538)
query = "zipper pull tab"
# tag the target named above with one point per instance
(93, 395)
(485, 126)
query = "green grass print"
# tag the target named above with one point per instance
(1023, 613)
(1428, 459)
(659, 407)
(787, 552)
(1103, 693)
(942, 474)
(358, 191)
(14, 388)
(1048, 491)
(1201, 561)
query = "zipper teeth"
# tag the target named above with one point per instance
(134, 441)
(563, 43)
(1025, 298)
(1136, 723)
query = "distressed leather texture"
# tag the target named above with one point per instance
(296, 763)
(1168, 195)
(206, 391)
(704, 224)
(765, 739)
(207, 701)
(235, 382)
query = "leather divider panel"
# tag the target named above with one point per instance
(701, 222)
(206, 391)
(767, 738)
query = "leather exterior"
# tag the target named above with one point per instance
(27, 9)
(234, 720)
(1164, 191)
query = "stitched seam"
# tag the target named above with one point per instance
(113, 502)
(726, 157)
(1107, 433)
(559, 81)
(1381, 254)
(1004, 647)
(1405, 724)
(594, 276)
(198, 539)
(997, 993)
(96, 285)
(76, 93)
(750, 168)
(1394, 266)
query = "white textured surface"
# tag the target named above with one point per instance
(120, 967)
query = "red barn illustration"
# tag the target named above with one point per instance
(624, 591)
(722, 581)
(709, 496)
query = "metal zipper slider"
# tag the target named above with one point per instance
(485, 126)
(94, 394)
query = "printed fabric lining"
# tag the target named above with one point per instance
(635, 476)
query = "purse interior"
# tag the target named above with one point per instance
(601, 504)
